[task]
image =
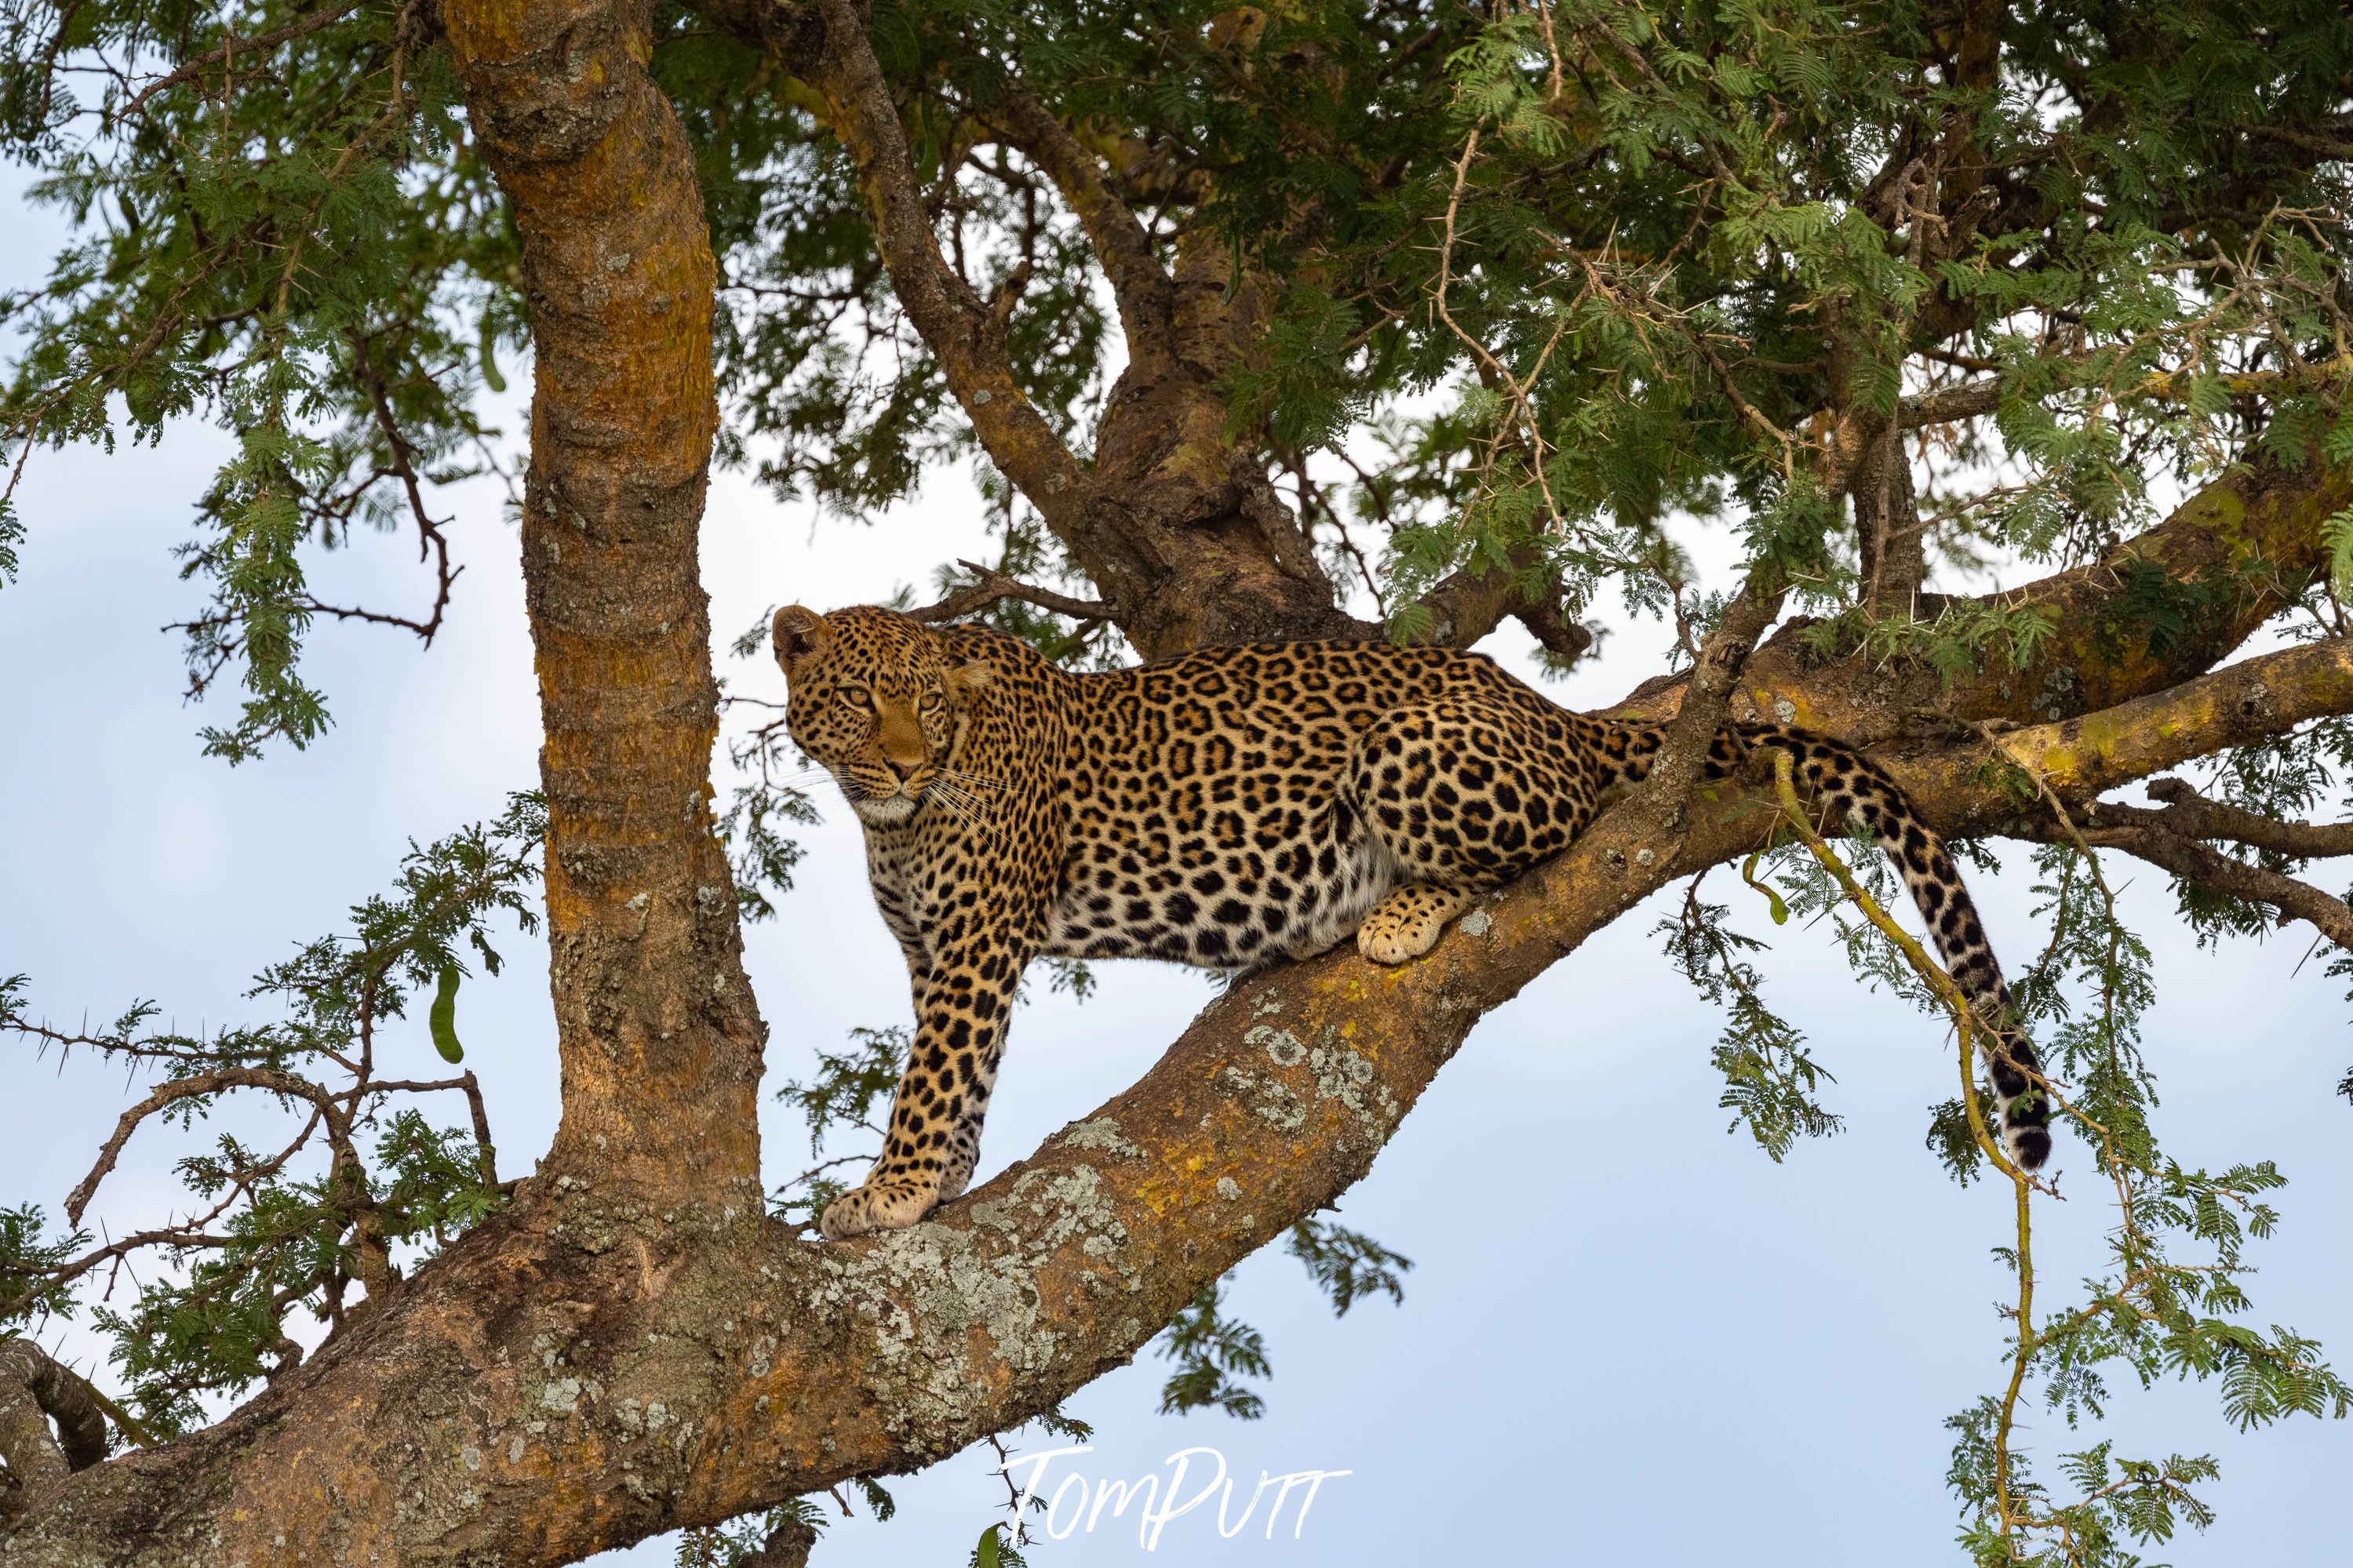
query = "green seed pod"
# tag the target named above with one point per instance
(444, 1016)
(1780, 911)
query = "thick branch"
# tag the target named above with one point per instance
(2194, 816)
(2226, 561)
(2170, 837)
(34, 1390)
(1965, 402)
(2193, 861)
(1146, 294)
(2084, 758)
(953, 320)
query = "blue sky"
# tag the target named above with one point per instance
(1628, 1336)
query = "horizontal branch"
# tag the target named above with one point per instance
(2084, 758)
(2170, 838)
(2195, 862)
(995, 587)
(1966, 402)
(2192, 816)
(2225, 562)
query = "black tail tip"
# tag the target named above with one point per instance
(2029, 1146)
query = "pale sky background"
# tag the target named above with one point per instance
(1630, 1337)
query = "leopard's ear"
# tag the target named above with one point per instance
(970, 680)
(797, 632)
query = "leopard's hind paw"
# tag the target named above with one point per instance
(1408, 920)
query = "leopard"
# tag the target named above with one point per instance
(1233, 807)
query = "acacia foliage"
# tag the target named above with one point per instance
(1686, 251)
(311, 1224)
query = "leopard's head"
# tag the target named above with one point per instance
(878, 699)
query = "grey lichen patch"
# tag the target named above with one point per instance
(2057, 691)
(1228, 1189)
(1271, 1003)
(1103, 1133)
(1343, 1075)
(1283, 1046)
(1269, 1098)
(1478, 922)
(1340, 1074)
(918, 1295)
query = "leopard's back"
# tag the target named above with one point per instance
(1216, 803)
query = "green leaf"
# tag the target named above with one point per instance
(2337, 533)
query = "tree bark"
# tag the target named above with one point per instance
(2226, 561)
(659, 1037)
(1894, 546)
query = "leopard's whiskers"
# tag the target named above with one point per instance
(971, 781)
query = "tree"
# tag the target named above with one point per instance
(1524, 296)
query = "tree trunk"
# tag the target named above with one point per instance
(659, 1037)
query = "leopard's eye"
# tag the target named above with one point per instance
(855, 696)
(931, 700)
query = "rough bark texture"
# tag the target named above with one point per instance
(660, 1035)
(36, 1392)
(1894, 555)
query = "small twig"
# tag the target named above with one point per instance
(301, 27)
(278, 1082)
(995, 585)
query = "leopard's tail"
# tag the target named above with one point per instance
(1843, 783)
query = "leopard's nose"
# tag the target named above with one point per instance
(905, 770)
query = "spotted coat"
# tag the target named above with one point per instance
(1230, 807)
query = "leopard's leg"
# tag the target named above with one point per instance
(1462, 796)
(963, 1000)
(1408, 920)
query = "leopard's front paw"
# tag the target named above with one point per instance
(891, 1204)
